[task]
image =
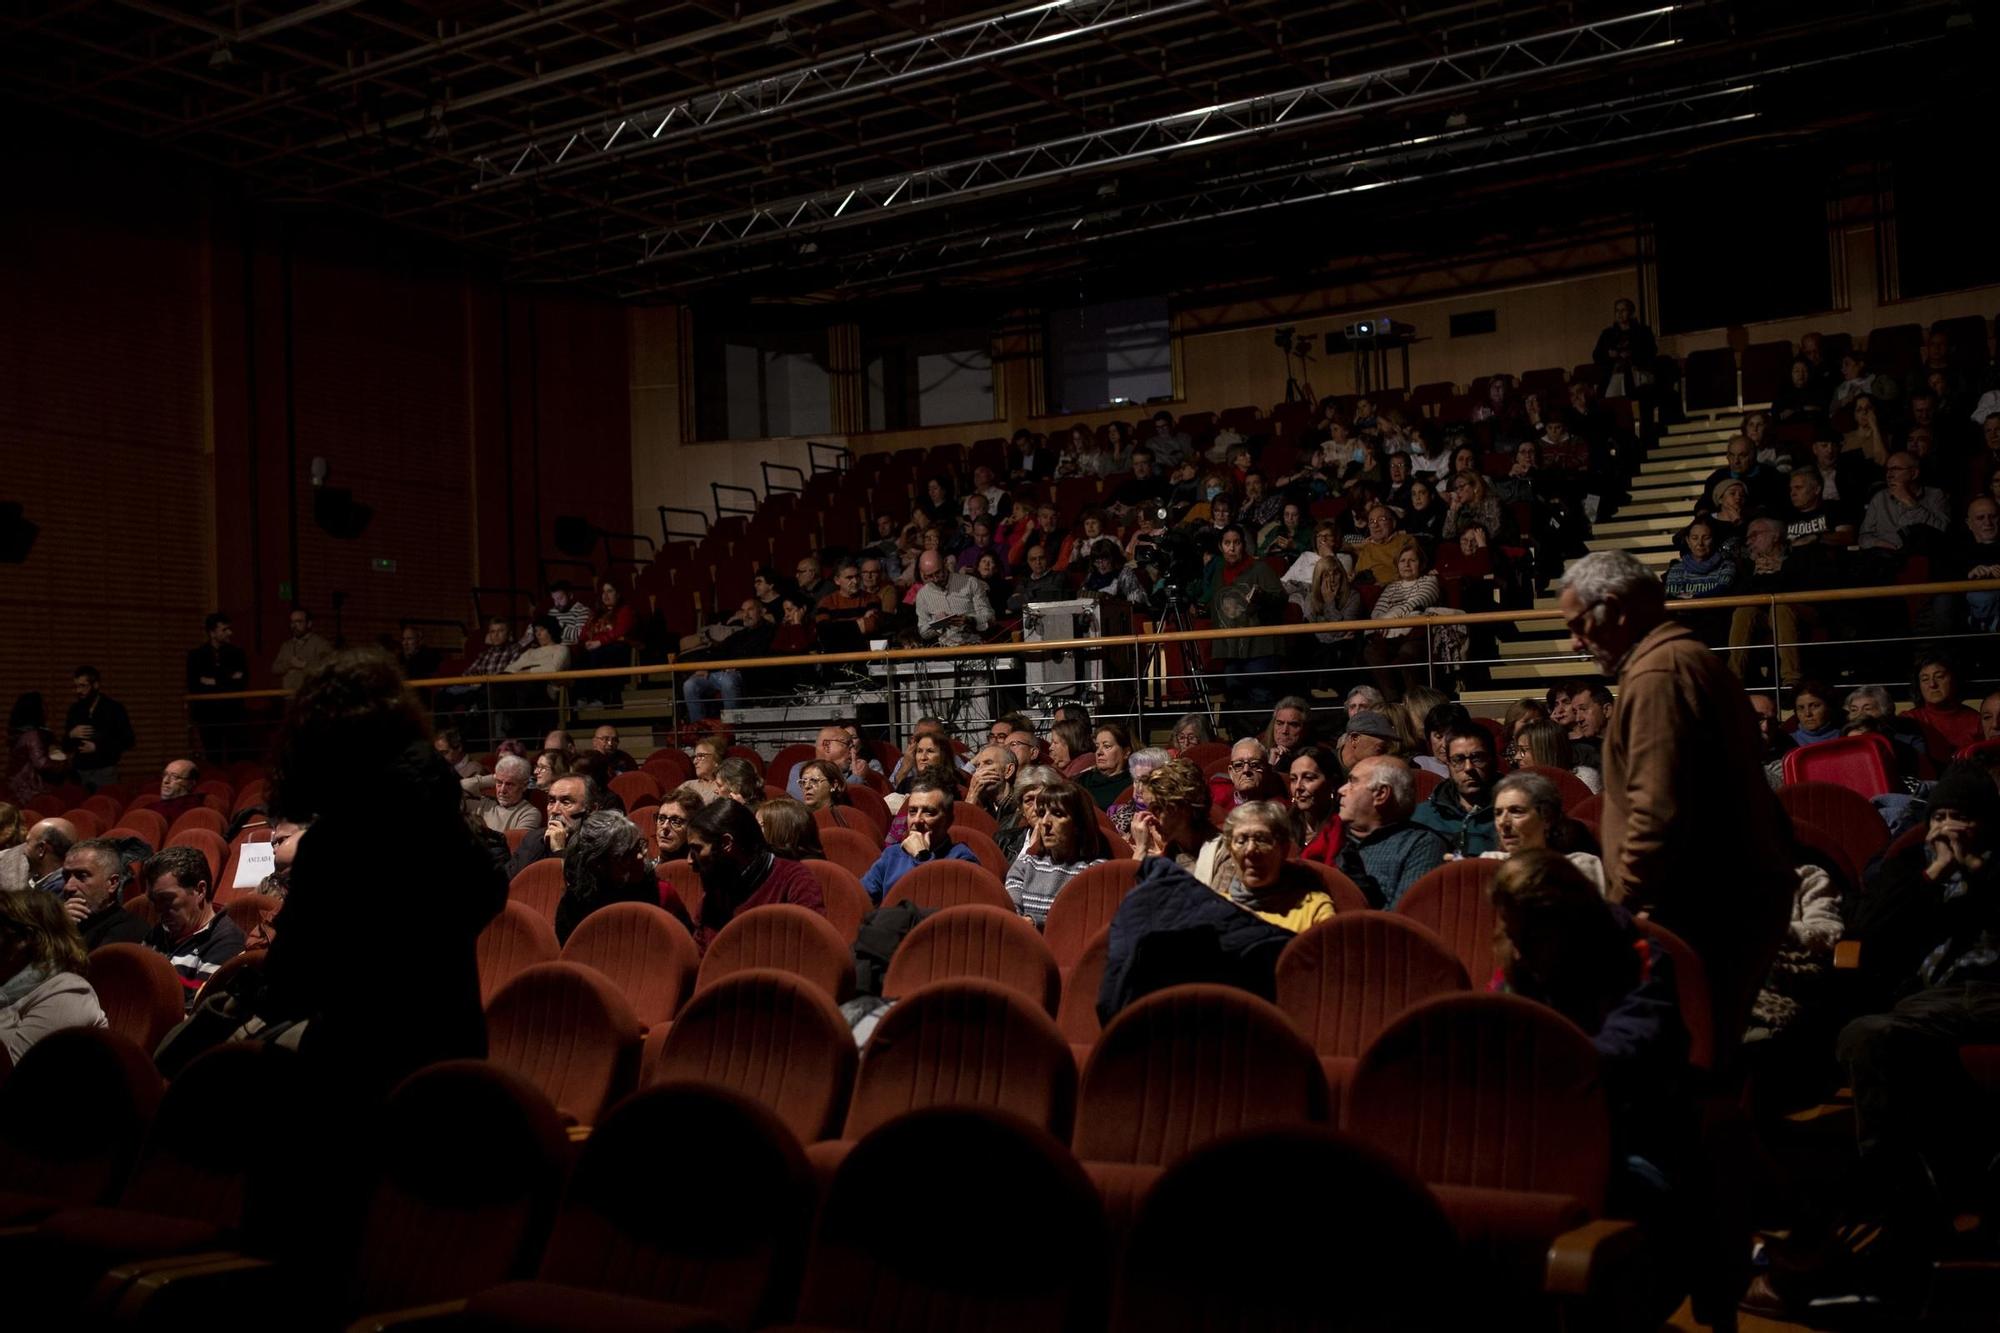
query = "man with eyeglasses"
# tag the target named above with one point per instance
(1249, 777)
(812, 578)
(1461, 810)
(572, 799)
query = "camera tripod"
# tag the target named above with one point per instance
(1174, 616)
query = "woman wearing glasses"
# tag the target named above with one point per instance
(670, 821)
(1259, 836)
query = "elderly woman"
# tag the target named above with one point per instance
(1063, 841)
(790, 830)
(42, 962)
(708, 753)
(604, 864)
(1175, 823)
(1266, 883)
(1415, 591)
(670, 821)
(821, 784)
(1192, 729)
(1138, 765)
(1107, 777)
(1029, 783)
(1528, 815)
(1069, 741)
(1314, 776)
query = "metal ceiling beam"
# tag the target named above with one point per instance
(856, 74)
(1572, 48)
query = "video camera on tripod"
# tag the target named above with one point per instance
(1172, 559)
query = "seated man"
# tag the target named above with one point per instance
(1813, 519)
(928, 816)
(1042, 583)
(1589, 716)
(1766, 488)
(1290, 728)
(836, 747)
(1901, 505)
(991, 786)
(37, 863)
(93, 891)
(878, 580)
(849, 601)
(812, 578)
(1381, 849)
(1144, 489)
(604, 741)
(509, 806)
(1376, 557)
(195, 937)
(1368, 734)
(450, 745)
(726, 685)
(738, 869)
(177, 793)
(1250, 777)
(951, 607)
(417, 660)
(572, 799)
(569, 615)
(1460, 809)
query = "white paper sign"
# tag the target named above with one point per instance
(255, 864)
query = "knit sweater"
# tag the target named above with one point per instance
(1034, 881)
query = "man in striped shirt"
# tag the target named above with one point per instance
(195, 938)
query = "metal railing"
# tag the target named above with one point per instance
(1142, 677)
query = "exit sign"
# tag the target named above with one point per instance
(382, 564)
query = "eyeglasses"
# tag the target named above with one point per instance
(1469, 760)
(1262, 842)
(1246, 765)
(670, 821)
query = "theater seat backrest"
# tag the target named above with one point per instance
(976, 941)
(570, 1032)
(1085, 906)
(72, 1114)
(1343, 980)
(516, 939)
(139, 991)
(771, 1036)
(785, 936)
(938, 884)
(644, 952)
(846, 901)
(539, 886)
(1455, 903)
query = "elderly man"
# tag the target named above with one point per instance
(878, 580)
(1365, 699)
(508, 807)
(93, 890)
(928, 814)
(850, 601)
(97, 730)
(951, 607)
(1368, 734)
(37, 863)
(1765, 488)
(1290, 728)
(836, 747)
(1381, 849)
(1461, 810)
(991, 786)
(606, 863)
(604, 741)
(196, 939)
(1692, 832)
(450, 746)
(572, 799)
(300, 653)
(177, 793)
(1901, 505)
(1251, 776)
(1041, 583)
(1376, 557)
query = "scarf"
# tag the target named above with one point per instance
(17, 986)
(1234, 573)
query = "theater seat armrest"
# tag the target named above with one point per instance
(443, 1314)
(1847, 954)
(1584, 1260)
(171, 1293)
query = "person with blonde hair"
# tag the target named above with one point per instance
(42, 966)
(1175, 821)
(1268, 883)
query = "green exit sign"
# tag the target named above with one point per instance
(382, 564)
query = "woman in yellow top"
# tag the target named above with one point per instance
(1267, 882)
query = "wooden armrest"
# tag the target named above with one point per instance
(1847, 955)
(1582, 1260)
(416, 1316)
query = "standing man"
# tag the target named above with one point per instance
(99, 731)
(300, 653)
(218, 666)
(1693, 835)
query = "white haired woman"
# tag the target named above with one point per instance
(1267, 882)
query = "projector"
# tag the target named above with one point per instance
(1362, 330)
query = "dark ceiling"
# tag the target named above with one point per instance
(830, 149)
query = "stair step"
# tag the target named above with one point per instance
(1700, 465)
(1555, 646)
(1667, 521)
(1637, 543)
(1656, 509)
(1533, 671)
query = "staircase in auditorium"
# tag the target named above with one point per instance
(1663, 497)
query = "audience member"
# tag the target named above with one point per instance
(1175, 823)
(670, 821)
(726, 684)
(93, 888)
(1902, 505)
(951, 607)
(1369, 733)
(1814, 714)
(1682, 775)
(42, 975)
(790, 829)
(1589, 716)
(1382, 850)
(1266, 882)
(218, 666)
(605, 864)
(549, 765)
(30, 761)
(1063, 840)
(739, 871)
(97, 731)
(991, 783)
(1528, 816)
(1106, 779)
(1460, 809)
(450, 746)
(194, 937)
(508, 807)
(37, 861)
(572, 799)
(821, 786)
(1312, 776)
(926, 817)
(737, 780)
(708, 753)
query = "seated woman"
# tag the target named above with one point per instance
(1528, 816)
(1137, 765)
(1704, 569)
(1239, 591)
(1063, 841)
(790, 829)
(1414, 591)
(796, 634)
(1800, 400)
(1815, 713)
(670, 821)
(708, 753)
(550, 765)
(1424, 516)
(1069, 741)
(1023, 809)
(1314, 776)
(1546, 745)
(42, 966)
(1290, 532)
(1949, 724)
(604, 863)
(1266, 882)
(1175, 823)
(1110, 576)
(1298, 576)
(822, 785)
(1473, 503)
(1192, 729)
(927, 754)
(991, 570)
(1107, 777)
(737, 781)
(1092, 532)
(550, 653)
(605, 641)
(1333, 597)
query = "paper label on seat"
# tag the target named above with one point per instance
(254, 864)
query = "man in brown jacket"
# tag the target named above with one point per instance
(1693, 835)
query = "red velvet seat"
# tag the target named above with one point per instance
(1346, 894)
(1455, 903)
(213, 850)
(972, 816)
(949, 884)
(771, 1036)
(1343, 980)
(1817, 846)
(1862, 764)
(636, 789)
(851, 851)
(539, 886)
(198, 818)
(982, 846)
(1839, 810)
(643, 951)
(72, 1115)
(850, 817)
(1077, 1013)
(570, 1033)
(785, 936)
(149, 824)
(1085, 906)
(869, 801)
(976, 941)
(139, 991)
(1569, 787)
